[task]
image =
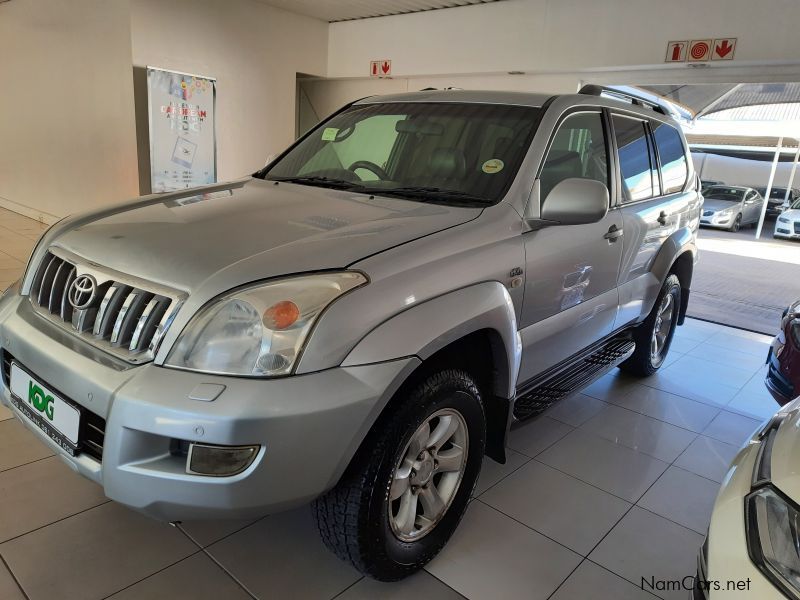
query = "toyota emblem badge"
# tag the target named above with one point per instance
(82, 292)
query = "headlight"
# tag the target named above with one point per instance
(260, 330)
(773, 538)
(783, 220)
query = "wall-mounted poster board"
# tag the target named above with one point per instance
(182, 137)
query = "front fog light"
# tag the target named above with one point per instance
(219, 461)
(773, 538)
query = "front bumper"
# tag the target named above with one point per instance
(723, 221)
(728, 565)
(308, 426)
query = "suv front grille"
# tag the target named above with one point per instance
(120, 318)
(797, 226)
(93, 427)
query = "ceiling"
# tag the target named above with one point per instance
(346, 10)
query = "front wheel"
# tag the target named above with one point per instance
(408, 486)
(737, 224)
(654, 336)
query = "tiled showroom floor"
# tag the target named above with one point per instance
(611, 486)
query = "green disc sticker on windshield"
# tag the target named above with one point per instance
(329, 134)
(493, 165)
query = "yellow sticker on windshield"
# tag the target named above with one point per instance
(493, 165)
(329, 134)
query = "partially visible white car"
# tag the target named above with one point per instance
(753, 545)
(787, 225)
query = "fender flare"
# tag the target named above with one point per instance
(676, 245)
(424, 329)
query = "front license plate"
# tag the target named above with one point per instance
(58, 419)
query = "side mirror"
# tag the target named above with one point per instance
(575, 201)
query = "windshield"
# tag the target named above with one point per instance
(776, 193)
(795, 205)
(440, 152)
(722, 193)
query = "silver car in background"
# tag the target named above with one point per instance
(731, 207)
(360, 322)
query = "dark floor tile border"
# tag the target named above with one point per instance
(14, 577)
(213, 558)
(75, 514)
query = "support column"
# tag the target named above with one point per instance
(769, 187)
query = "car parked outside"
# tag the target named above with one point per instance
(707, 183)
(358, 323)
(783, 358)
(751, 550)
(787, 225)
(731, 207)
(778, 199)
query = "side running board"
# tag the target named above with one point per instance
(565, 381)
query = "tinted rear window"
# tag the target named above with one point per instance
(674, 168)
(634, 158)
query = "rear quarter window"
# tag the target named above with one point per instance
(674, 167)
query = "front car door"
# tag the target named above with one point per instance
(570, 298)
(752, 207)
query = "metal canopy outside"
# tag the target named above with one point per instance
(704, 99)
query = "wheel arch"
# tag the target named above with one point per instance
(474, 328)
(676, 256)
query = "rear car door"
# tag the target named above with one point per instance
(653, 172)
(571, 271)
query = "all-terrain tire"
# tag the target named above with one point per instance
(353, 518)
(643, 362)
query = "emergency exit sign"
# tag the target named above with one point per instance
(701, 50)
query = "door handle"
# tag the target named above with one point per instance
(662, 218)
(613, 234)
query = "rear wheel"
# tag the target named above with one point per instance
(654, 336)
(737, 223)
(408, 486)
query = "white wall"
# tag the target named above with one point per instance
(67, 138)
(252, 49)
(740, 171)
(559, 45)
(560, 36)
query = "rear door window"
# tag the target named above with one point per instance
(674, 167)
(634, 158)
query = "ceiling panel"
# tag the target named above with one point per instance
(346, 10)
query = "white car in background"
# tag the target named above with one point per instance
(753, 545)
(787, 225)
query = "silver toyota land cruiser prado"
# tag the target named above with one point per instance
(360, 322)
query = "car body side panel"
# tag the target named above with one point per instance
(651, 248)
(483, 250)
(428, 327)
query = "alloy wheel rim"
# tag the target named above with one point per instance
(661, 329)
(427, 477)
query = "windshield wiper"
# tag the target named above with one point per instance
(431, 193)
(329, 182)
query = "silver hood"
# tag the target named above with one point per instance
(251, 230)
(718, 205)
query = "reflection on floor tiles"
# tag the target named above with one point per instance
(606, 489)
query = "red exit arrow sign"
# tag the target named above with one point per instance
(380, 68)
(724, 49)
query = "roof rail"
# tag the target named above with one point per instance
(599, 90)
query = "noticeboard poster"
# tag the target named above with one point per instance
(183, 150)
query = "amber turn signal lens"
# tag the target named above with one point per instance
(281, 315)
